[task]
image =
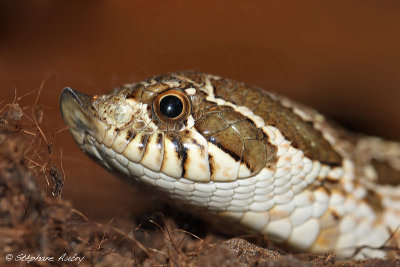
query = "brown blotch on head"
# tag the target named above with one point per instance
(252, 100)
(163, 77)
(223, 88)
(228, 141)
(156, 88)
(133, 92)
(147, 97)
(387, 175)
(237, 136)
(255, 155)
(211, 123)
(302, 134)
(232, 117)
(202, 107)
(248, 130)
(192, 75)
(151, 91)
(217, 131)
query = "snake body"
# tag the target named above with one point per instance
(248, 157)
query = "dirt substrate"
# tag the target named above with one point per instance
(40, 227)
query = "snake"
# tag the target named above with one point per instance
(246, 158)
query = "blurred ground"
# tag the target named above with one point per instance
(342, 58)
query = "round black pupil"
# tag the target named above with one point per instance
(171, 106)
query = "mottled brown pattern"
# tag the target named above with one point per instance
(386, 174)
(196, 77)
(237, 136)
(229, 141)
(205, 107)
(301, 133)
(214, 120)
(132, 91)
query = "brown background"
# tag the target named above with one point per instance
(340, 57)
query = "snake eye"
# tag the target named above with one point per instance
(171, 105)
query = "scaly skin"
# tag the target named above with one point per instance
(253, 158)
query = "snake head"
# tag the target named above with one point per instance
(167, 128)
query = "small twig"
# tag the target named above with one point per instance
(38, 127)
(61, 130)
